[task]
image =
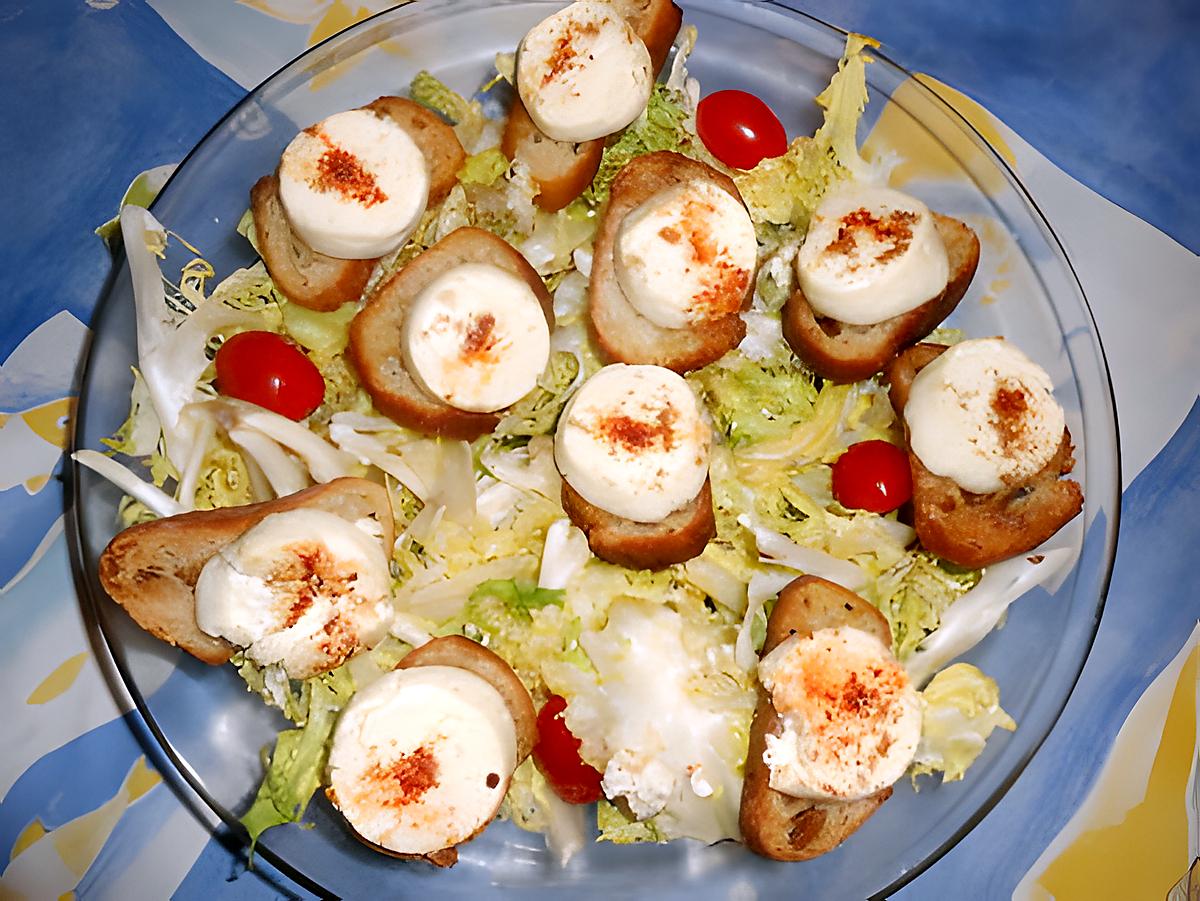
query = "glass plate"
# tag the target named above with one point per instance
(212, 729)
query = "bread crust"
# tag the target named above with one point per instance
(443, 152)
(306, 277)
(323, 283)
(774, 824)
(455, 650)
(977, 530)
(848, 353)
(657, 23)
(640, 545)
(625, 335)
(375, 333)
(151, 569)
(562, 169)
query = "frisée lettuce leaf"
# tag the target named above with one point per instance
(756, 400)
(295, 767)
(784, 190)
(961, 708)
(662, 126)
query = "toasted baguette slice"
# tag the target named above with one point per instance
(305, 276)
(455, 650)
(847, 353)
(375, 333)
(773, 824)
(151, 569)
(437, 141)
(562, 169)
(657, 23)
(624, 334)
(644, 545)
(978, 530)
(324, 283)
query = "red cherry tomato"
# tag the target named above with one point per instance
(872, 475)
(556, 754)
(267, 369)
(739, 129)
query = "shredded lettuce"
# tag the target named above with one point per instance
(537, 413)
(224, 479)
(518, 595)
(296, 766)
(527, 626)
(245, 228)
(662, 126)
(619, 829)
(326, 334)
(141, 192)
(756, 400)
(843, 101)
(483, 168)
(466, 115)
(961, 709)
(980, 610)
(138, 435)
(532, 804)
(784, 190)
(914, 595)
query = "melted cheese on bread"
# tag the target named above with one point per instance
(984, 415)
(871, 254)
(632, 442)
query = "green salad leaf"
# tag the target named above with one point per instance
(661, 127)
(756, 400)
(537, 412)
(961, 709)
(466, 115)
(324, 333)
(914, 596)
(295, 767)
(619, 829)
(519, 595)
(786, 189)
(483, 168)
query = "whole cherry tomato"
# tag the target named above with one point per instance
(556, 754)
(739, 129)
(872, 475)
(267, 369)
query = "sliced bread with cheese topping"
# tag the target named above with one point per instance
(624, 334)
(377, 331)
(774, 824)
(323, 283)
(849, 353)
(978, 530)
(151, 568)
(563, 169)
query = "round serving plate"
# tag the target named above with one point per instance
(213, 730)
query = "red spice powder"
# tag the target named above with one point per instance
(563, 55)
(894, 230)
(637, 434)
(341, 171)
(480, 338)
(404, 780)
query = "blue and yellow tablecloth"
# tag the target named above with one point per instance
(1095, 104)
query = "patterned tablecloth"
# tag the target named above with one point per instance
(1095, 104)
